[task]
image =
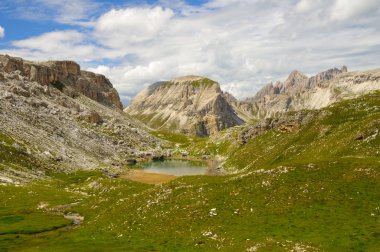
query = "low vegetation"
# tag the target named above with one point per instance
(316, 188)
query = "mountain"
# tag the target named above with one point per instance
(192, 105)
(197, 106)
(55, 116)
(299, 92)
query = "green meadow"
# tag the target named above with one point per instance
(316, 188)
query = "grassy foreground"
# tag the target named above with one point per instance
(314, 189)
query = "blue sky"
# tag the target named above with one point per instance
(242, 44)
(23, 26)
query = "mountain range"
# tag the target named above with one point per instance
(197, 106)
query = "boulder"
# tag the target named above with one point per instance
(93, 117)
(131, 161)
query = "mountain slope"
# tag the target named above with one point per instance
(190, 105)
(61, 124)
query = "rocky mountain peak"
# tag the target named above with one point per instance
(65, 74)
(300, 92)
(191, 104)
(296, 82)
(325, 76)
(295, 75)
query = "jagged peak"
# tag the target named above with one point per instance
(295, 74)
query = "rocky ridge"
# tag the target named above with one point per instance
(299, 92)
(63, 74)
(191, 105)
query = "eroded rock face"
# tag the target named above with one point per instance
(67, 73)
(192, 105)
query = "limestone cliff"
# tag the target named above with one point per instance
(192, 105)
(64, 73)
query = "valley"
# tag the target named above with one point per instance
(257, 175)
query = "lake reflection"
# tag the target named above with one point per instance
(175, 167)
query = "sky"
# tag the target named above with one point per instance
(242, 44)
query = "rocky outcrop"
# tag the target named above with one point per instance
(299, 92)
(192, 105)
(296, 83)
(65, 73)
(325, 76)
(287, 123)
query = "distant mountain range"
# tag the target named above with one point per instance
(196, 105)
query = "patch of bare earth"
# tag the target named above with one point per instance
(147, 178)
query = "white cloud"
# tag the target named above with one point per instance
(131, 25)
(60, 45)
(338, 10)
(243, 44)
(51, 41)
(2, 32)
(310, 5)
(348, 9)
(101, 69)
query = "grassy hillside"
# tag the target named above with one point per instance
(312, 189)
(346, 132)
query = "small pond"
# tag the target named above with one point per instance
(175, 167)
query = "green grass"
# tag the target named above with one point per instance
(182, 140)
(204, 82)
(328, 207)
(317, 188)
(13, 157)
(31, 223)
(151, 119)
(330, 135)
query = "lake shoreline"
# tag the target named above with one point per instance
(159, 172)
